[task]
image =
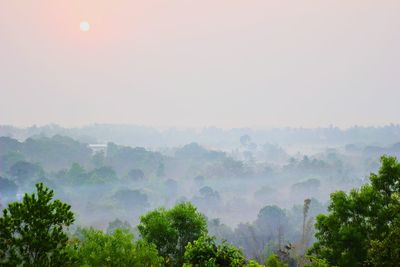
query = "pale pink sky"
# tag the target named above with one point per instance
(199, 63)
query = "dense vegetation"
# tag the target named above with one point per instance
(250, 204)
(32, 231)
(361, 229)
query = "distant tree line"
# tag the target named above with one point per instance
(362, 228)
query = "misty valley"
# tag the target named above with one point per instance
(245, 202)
(199, 133)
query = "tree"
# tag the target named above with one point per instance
(23, 171)
(219, 230)
(362, 226)
(118, 224)
(386, 252)
(315, 262)
(253, 263)
(189, 223)
(115, 249)
(208, 199)
(205, 252)
(103, 174)
(273, 261)
(9, 159)
(251, 240)
(131, 199)
(76, 174)
(155, 227)
(171, 230)
(271, 223)
(305, 189)
(32, 231)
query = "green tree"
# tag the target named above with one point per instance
(103, 174)
(32, 231)
(118, 249)
(131, 199)
(76, 174)
(118, 224)
(359, 228)
(23, 172)
(156, 228)
(271, 221)
(204, 252)
(315, 262)
(386, 252)
(253, 263)
(171, 230)
(273, 261)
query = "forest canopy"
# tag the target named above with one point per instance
(361, 228)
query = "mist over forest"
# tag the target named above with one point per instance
(250, 184)
(213, 137)
(199, 133)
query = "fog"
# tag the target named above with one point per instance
(253, 111)
(200, 63)
(230, 183)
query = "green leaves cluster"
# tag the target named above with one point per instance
(96, 248)
(171, 230)
(32, 231)
(363, 226)
(205, 252)
(273, 261)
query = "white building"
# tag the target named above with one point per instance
(98, 148)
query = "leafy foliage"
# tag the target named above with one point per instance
(118, 224)
(315, 262)
(32, 231)
(205, 252)
(361, 226)
(273, 261)
(23, 172)
(131, 199)
(386, 252)
(253, 263)
(171, 230)
(116, 249)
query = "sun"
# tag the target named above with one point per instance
(84, 26)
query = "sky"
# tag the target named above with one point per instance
(223, 63)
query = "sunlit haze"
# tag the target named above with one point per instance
(200, 63)
(183, 133)
(84, 26)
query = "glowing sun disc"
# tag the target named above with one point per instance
(84, 26)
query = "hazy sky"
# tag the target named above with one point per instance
(226, 63)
